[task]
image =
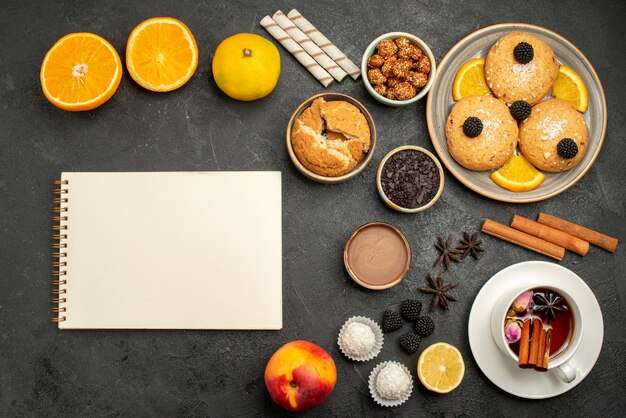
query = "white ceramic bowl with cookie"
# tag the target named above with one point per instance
(372, 49)
(331, 137)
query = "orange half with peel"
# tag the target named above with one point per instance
(161, 54)
(470, 80)
(518, 175)
(80, 72)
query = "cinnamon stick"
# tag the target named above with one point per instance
(555, 236)
(523, 239)
(533, 355)
(542, 349)
(599, 240)
(524, 345)
(546, 354)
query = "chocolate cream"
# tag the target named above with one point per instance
(377, 255)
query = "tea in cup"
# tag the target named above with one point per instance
(540, 328)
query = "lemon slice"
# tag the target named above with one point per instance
(440, 368)
(518, 175)
(570, 87)
(470, 80)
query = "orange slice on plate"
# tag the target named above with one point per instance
(440, 368)
(518, 175)
(470, 80)
(161, 54)
(80, 72)
(570, 87)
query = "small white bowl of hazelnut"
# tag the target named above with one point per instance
(398, 68)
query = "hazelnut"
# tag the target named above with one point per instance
(404, 91)
(402, 41)
(391, 82)
(417, 80)
(404, 52)
(375, 61)
(401, 68)
(387, 68)
(381, 89)
(376, 77)
(387, 48)
(415, 52)
(423, 64)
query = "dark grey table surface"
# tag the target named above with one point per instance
(46, 372)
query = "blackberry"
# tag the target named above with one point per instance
(472, 127)
(392, 321)
(523, 53)
(411, 309)
(520, 110)
(410, 342)
(424, 326)
(567, 148)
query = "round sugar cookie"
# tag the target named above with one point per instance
(548, 123)
(495, 144)
(510, 80)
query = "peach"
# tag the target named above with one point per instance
(300, 375)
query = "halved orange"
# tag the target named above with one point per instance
(80, 72)
(470, 80)
(518, 175)
(570, 87)
(161, 54)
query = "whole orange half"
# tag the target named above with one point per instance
(161, 54)
(80, 72)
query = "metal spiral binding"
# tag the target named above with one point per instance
(60, 245)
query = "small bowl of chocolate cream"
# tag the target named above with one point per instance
(377, 255)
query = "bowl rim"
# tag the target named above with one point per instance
(425, 48)
(388, 201)
(360, 166)
(457, 174)
(400, 276)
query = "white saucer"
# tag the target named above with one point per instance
(497, 366)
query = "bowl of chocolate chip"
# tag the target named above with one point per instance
(409, 179)
(398, 68)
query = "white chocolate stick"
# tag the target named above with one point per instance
(309, 46)
(323, 42)
(294, 49)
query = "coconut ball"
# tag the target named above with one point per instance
(358, 339)
(392, 381)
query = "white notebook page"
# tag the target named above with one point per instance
(178, 250)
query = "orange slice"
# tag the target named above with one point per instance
(570, 87)
(440, 367)
(518, 175)
(470, 80)
(161, 54)
(80, 72)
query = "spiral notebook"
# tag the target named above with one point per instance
(171, 250)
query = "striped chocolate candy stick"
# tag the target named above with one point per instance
(294, 49)
(323, 42)
(309, 46)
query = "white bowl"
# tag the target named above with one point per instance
(415, 41)
(379, 184)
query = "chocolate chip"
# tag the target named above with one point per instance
(410, 179)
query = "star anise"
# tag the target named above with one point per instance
(441, 294)
(470, 244)
(447, 253)
(548, 303)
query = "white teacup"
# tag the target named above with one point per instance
(561, 361)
